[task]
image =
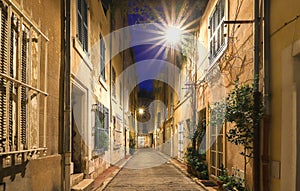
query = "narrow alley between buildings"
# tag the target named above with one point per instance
(150, 170)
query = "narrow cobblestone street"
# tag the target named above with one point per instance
(150, 170)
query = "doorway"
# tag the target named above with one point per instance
(78, 129)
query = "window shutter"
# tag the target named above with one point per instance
(85, 25)
(23, 89)
(79, 20)
(82, 23)
(11, 84)
(3, 69)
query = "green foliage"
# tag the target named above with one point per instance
(198, 135)
(131, 144)
(217, 114)
(230, 182)
(196, 163)
(154, 11)
(240, 111)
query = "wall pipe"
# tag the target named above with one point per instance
(65, 93)
(267, 99)
(257, 98)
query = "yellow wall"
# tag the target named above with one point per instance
(235, 61)
(283, 50)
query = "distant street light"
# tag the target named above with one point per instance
(141, 111)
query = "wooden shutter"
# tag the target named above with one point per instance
(23, 89)
(79, 20)
(82, 23)
(3, 69)
(85, 25)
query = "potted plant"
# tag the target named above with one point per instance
(131, 144)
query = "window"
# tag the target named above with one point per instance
(202, 124)
(105, 5)
(217, 38)
(117, 132)
(82, 23)
(22, 55)
(102, 58)
(101, 129)
(113, 82)
(158, 119)
(216, 141)
(121, 93)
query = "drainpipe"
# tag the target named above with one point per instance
(267, 99)
(257, 97)
(65, 108)
(123, 85)
(110, 81)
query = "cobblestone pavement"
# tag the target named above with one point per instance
(150, 170)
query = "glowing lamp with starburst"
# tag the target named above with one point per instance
(173, 34)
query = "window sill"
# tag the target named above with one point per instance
(26, 155)
(117, 146)
(84, 55)
(103, 83)
(98, 153)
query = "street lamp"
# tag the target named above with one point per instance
(141, 111)
(173, 34)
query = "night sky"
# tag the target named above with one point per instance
(144, 52)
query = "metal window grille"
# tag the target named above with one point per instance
(101, 129)
(22, 48)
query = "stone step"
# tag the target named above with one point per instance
(84, 185)
(76, 178)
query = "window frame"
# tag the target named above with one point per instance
(102, 58)
(217, 144)
(82, 24)
(113, 82)
(101, 111)
(217, 38)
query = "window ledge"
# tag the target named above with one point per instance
(103, 83)
(84, 55)
(117, 146)
(98, 153)
(22, 156)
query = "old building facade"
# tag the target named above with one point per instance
(30, 77)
